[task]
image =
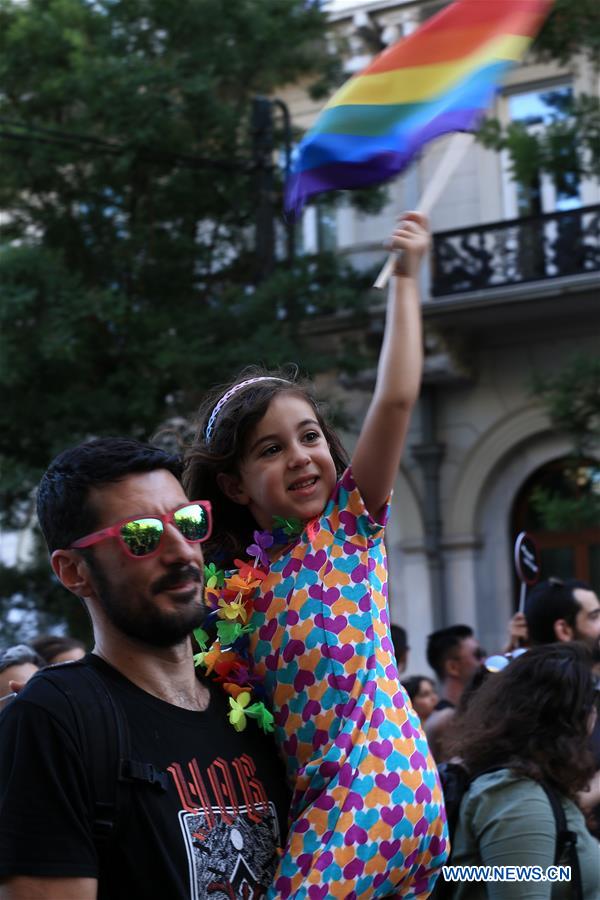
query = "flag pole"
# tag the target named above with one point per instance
(455, 151)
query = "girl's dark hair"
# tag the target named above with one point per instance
(533, 718)
(233, 524)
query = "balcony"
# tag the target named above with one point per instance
(507, 253)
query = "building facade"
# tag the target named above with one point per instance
(512, 293)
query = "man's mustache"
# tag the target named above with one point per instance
(175, 577)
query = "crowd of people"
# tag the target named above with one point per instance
(19, 662)
(239, 728)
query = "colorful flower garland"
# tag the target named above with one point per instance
(229, 597)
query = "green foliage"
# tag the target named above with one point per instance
(573, 27)
(572, 401)
(568, 148)
(32, 601)
(560, 513)
(129, 280)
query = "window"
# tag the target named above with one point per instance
(536, 109)
(569, 546)
(317, 231)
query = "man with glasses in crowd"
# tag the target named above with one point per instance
(125, 539)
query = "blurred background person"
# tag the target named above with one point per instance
(569, 610)
(401, 648)
(530, 723)
(422, 694)
(17, 665)
(57, 648)
(558, 610)
(518, 633)
(455, 656)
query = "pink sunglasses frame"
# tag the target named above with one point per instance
(168, 518)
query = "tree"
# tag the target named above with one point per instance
(128, 191)
(568, 147)
(572, 401)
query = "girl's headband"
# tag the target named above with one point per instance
(229, 394)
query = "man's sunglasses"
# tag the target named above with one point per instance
(140, 537)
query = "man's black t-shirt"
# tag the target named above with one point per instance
(216, 828)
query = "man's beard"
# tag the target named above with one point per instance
(595, 648)
(593, 645)
(151, 625)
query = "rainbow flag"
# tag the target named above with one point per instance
(439, 79)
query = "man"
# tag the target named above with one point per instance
(569, 610)
(455, 656)
(123, 537)
(564, 611)
(17, 665)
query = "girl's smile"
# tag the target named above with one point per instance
(288, 469)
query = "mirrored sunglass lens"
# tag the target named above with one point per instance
(496, 663)
(192, 522)
(142, 536)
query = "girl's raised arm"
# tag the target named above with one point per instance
(379, 448)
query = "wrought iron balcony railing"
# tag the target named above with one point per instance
(516, 251)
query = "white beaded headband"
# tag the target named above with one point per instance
(229, 394)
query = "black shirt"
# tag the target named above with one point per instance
(218, 824)
(444, 704)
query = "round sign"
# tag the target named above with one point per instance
(527, 560)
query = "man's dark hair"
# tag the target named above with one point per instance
(442, 644)
(400, 641)
(549, 601)
(63, 508)
(19, 655)
(49, 646)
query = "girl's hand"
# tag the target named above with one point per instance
(410, 239)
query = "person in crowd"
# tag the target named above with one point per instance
(558, 610)
(422, 694)
(455, 656)
(58, 648)
(401, 648)
(314, 590)
(209, 806)
(518, 633)
(17, 665)
(526, 726)
(569, 610)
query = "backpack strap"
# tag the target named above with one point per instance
(566, 840)
(105, 741)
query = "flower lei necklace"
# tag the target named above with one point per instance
(229, 596)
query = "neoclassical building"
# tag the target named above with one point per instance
(512, 292)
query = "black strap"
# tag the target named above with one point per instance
(132, 770)
(106, 747)
(566, 840)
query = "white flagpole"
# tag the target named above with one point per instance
(455, 151)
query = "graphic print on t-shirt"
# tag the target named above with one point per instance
(229, 829)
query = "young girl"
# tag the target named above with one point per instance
(367, 816)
